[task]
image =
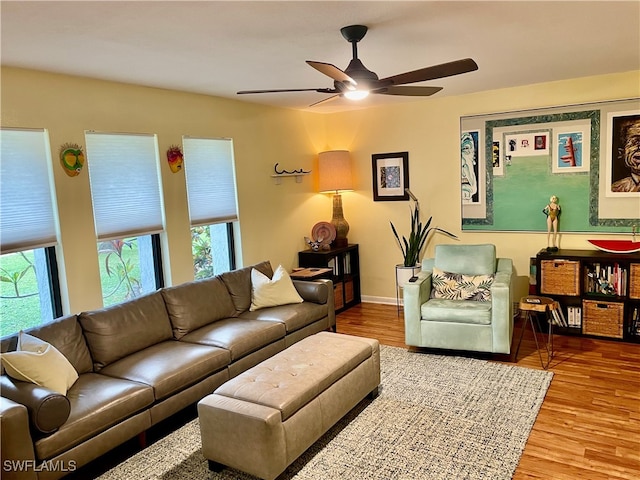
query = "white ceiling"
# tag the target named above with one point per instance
(218, 48)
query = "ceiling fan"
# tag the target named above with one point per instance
(356, 81)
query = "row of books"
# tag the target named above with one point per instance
(572, 320)
(605, 279)
(634, 326)
(334, 263)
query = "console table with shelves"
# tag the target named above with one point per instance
(598, 292)
(345, 264)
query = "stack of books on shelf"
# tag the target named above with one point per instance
(558, 317)
(634, 326)
(532, 276)
(605, 279)
(574, 317)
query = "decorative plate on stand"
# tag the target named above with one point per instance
(325, 231)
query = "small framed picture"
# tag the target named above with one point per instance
(390, 176)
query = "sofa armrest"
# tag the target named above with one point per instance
(16, 447)
(47, 409)
(502, 306)
(414, 294)
(312, 291)
(318, 291)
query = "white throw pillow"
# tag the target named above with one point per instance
(39, 362)
(278, 290)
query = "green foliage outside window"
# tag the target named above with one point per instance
(201, 250)
(119, 270)
(19, 297)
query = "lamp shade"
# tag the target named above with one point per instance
(334, 170)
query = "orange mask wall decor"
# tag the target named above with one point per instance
(175, 158)
(71, 158)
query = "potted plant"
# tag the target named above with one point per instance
(412, 247)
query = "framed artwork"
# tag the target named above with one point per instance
(571, 149)
(623, 154)
(588, 155)
(470, 165)
(390, 176)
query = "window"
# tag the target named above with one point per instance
(29, 284)
(129, 267)
(127, 206)
(211, 193)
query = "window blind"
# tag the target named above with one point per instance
(210, 177)
(27, 202)
(125, 184)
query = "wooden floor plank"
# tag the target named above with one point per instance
(589, 424)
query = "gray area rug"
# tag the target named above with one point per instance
(437, 417)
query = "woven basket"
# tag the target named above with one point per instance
(604, 319)
(634, 281)
(348, 291)
(560, 277)
(339, 295)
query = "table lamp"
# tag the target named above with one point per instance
(334, 169)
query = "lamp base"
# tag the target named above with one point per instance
(340, 242)
(338, 221)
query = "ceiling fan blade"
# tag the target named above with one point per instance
(328, 99)
(332, 71)
(431, 73)
(408, 91)
(319, 90)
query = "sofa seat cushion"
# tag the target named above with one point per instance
(456, 311)
(294, 316)
(169, 366)
(240, 336)
(97, 403)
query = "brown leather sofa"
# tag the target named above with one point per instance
(143, 360)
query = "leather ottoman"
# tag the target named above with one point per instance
(262, 420)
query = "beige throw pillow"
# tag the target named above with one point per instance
(278, 290)
(39, 362)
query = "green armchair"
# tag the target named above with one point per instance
(462, 300)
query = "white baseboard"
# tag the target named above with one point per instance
(382, 300)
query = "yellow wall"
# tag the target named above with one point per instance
(429, 131)
(275, 218)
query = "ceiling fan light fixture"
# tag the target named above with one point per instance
(356, 94)
(356, 82)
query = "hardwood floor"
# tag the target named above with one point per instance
(589, 424)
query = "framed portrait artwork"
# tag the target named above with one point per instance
(470, 164)
(623, 154)
(390, 176)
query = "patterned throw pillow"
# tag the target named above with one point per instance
(457, 286)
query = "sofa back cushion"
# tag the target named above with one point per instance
(195, 304)
(65, 335)
(238, 283)
(120, 330)
(466, 259)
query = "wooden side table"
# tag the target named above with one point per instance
(532, 305)
(311, 273)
